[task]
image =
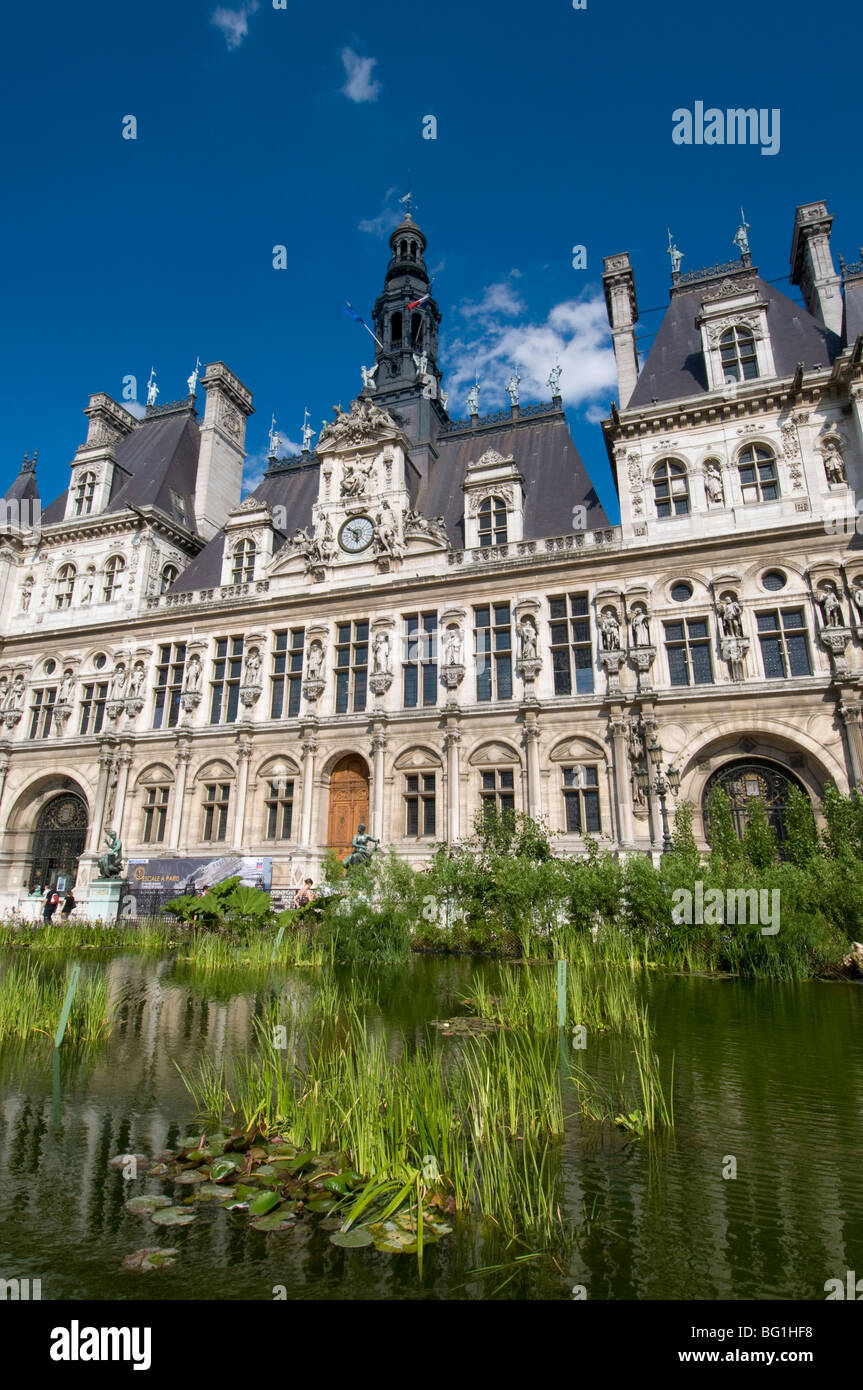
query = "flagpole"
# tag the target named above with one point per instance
(371, 335)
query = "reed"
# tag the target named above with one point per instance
(525, 997)
(31, 1002)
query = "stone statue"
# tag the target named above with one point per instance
(730, 616)
(554, 379)
(315, 661)
(741, 236)
(512, 388)
(64, 694)
(253, 666)
(4, 688)
(834, 465)
(527, 632)
(118, 682)
(369, 375)
(273, 437)
(381, 654)
(473, 399)
(15, 695)
(192, 381)
(111, 863)
(89, 585)
(363, 847)
(136, 680)
(308, 433)
(355, 476)
(609, 626)
(713, 483)
(192, 677)
(857, 594)
(452, 646)
(386, 537)
(443, 397)
(831, 608)
(152, 388)
(421, 363)
(675, 255)
(640, 628)
(26, 595)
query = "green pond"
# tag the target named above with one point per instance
(770, 1075)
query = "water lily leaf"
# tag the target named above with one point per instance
(243, 1191)
(192, 1175)
(302, 1161)
(353, 1240)
(172, 1216)
(222, 1167)
(322, 1203)
(274, 1221)
(145, 1260)
(264, 1202)
(147, 1202)
(282, 1150)
(214, 1189)
(337, 1184)
(259, 1154)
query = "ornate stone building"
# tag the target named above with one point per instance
(425, 615)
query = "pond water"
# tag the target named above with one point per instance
(770, 1075)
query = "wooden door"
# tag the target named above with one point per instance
(349, 802)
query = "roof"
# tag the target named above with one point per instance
(675, 366)
(853, 321)
(25, 488)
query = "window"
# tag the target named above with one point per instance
(225, 683)
(155, 814)
(687, 644)
(419, 673)
(670, 489)
(181, 511)
(243, 570)
(396, 331)
(352, 666)
(756, 465)
(493, 649)
(64, 586)
(581, 800)
(681, 592)
(169, 574)
(497, 792)
(492, 522)
(287, 672)
(571, 650)
(737, 355)
(784, 643)
(774, 580)
(114, 570)
(42, 702)
(169, 685)
(217, 796)
(420, 805)
(280, 809)
(84, 490)
(93, 697)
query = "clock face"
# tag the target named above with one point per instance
(356, 534)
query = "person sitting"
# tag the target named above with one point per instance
(305, 896)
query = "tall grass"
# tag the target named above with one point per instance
(601, 998)
(31, 1002)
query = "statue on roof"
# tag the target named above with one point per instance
(308, 432)
(274, 440)
(473, 397)
(676, 256)
(369, 374)
(512, 388)
(192, 381)
(554, 379)
(152, 388)
(741, 240)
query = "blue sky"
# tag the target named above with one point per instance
(299, 126)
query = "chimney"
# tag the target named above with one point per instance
(220, 459)
(812, 265)
(619, 283)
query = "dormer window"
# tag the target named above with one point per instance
(737, 354)
(243, 570)
(670, 489)
(84, 490)
(759, 481)
(169, 574)
(492, 522)
(179, 505)
(64, 586)
(114, 571)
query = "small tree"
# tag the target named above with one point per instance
(759, 837)
(801, 832)
(725, 848)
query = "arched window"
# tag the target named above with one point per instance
(114, 570)
(413, 250)
(759, 481)
(84, 489)
(492, 522)
(670, 488)
(244, 561)
(417, 330)
(403, 250)
(737, 354)
(169, 574)
(64, 586)
(396, 330)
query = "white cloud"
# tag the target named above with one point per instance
(386, 219)
(136, 408)
(256, 465)
(575, 333)
(234, 24)
(359, 86)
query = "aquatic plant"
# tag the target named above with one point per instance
(31, 1002)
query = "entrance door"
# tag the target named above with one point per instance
(61, 835)
(743, 780)
(349, 802)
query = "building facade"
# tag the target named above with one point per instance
(426, 615)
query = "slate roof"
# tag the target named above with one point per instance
(24, 489)
(555, 481)
(675, 366)
(852, 325)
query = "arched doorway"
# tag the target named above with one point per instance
(349, 802)
(747, 778)
(59, 841)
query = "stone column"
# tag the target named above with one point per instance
(106, 762)
(622, 780)
(379, 743)
(850, 716)
(244, 753)
(4, 773)
(124, 762)
(181, 761)
(309, 749)
(534, 790)
(857, 406)
(452, 739)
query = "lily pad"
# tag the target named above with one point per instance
(146, 1203)
(222, 1167)
(146, 1260)
(353, 1240)
(322, 1203)
(264, 1202)
(173, 1216)
(274, 1221)
(214, 1189)
(192, 1175)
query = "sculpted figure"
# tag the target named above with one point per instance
(118, 682)
(528, 640)
(363, 847)
(832, 608)
(136, 680)
(730, 616)
(640, 628)
(381, 654)
(452, 646)
(64, 694)
(857, 594)
(111, 862)
(192, 678)
(315, 661)
(15, 695)
(713, 482)
(610, 629)
(834, 465)
(253, 666)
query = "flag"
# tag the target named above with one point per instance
(351, 312)
(418, 302)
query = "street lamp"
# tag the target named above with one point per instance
(662, 784)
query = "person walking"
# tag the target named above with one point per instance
(52, 898)
(69, 905)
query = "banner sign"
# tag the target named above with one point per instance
(153, 882)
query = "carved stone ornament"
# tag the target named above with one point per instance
(489, 458)
(611, 662)
(232, 421)
(734, 649)
(503, 490)
(11, 717)
(381, 681)
(365, 423)
(716, 329)
(313, 688)
(452, 675)
(190, 699)
(728, 288)
(134, 705)
(249, 695)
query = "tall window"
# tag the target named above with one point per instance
(42, 702)
(178, 502)
(420, 805)
(687, 645)
(670, 489)
(571, 648)
(758, 478)
(738, 356)
(244, 562)
(84, 490)
(287, 673)
(93, 698)
(169, 685)
(64, 586)
(352, 666)
(396, 331)
(169, 574)
(492, 522)
(493, 651)
(581, 800)
(784, 643)
(114, 570)
(497, 791)
(225, 683)
(280, 809)
(217, 797)
(155, 814)
(419, 672)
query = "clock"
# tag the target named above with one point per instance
(356, 534)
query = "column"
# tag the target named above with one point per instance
(534, 791)
(181, 762)
(244, 753)
(452, 739)
(622, 782)
(4, 773)
(850, 715)
(106, 762)
(124, 762)
(307, 753)
(379, 743)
